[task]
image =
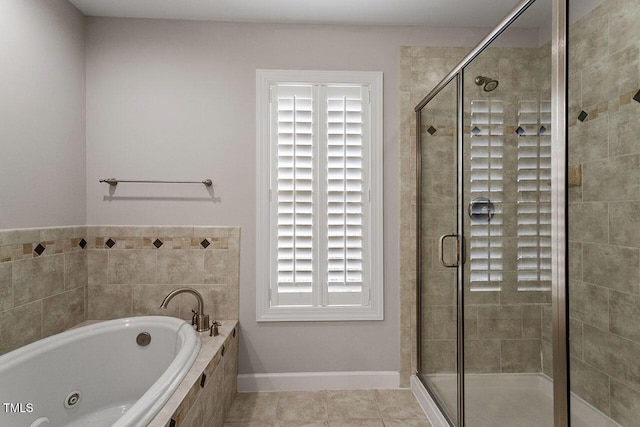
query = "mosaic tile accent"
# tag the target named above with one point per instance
(157, 243)
(82, 243)
(636, 97)
(432, 130)
(39, 249)
(582, 116)
(110, 243)
(205, 243)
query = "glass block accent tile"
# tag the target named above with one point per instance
(582, 116)
(432, 130)
(82, 243)
(205, 243)
(157, 243)
(110, 243)
(520, 131)
(39, 249)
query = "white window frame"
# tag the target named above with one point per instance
(265, 311)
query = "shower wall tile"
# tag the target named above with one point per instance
(590, 384)
(445, 322)
(624, 29)
(616, 75)
(589, 39)
(500, 321)
(37, 278)
(614, 267)
(575, 259)
(62, 311)
(547, 358)
(589, 304)
(624, 224)
(613, 179)
(440, 356)
(532, 321)
(625, 404)
(589, 140)
(575, 338)
(521, 356)
(613, 355)
(624, 311)
(624, 130)
(482, 356)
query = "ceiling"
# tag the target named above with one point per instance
(449, 13)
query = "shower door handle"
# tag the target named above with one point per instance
(442, 260)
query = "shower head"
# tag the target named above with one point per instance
(489, 83)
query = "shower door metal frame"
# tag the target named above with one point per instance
(559, 164)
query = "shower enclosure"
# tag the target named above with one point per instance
(527, 222)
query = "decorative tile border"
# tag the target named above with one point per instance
(587, 114)
(19, 244)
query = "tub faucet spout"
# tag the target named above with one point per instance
(200, 321)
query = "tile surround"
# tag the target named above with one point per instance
(78, 277)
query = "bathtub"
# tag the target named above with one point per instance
(96, 375)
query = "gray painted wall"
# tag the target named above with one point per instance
(42, 105)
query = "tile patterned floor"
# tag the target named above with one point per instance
(352, 408)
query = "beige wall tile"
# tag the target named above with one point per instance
(588, 222)
(590, 384)
(482, 356)
(19, 236)
(613, 179)
(575, 339)
(20, 326)
(589, 304)
(132, 266)
(623, 30)
(75, 269)
(63, 311)
(624, 315)
(108, 302)
(521, 356)
(575, 261)
(6, 286)
(607, 80)
(37, 278)
(97, 267)
(624, 223)
(613, 355)
(531, 321)
(146, 300)
(624, 128)
(589, 140)
(625, 404)
(180, 266)
(440, 357)
(496, 321)
(614, 267)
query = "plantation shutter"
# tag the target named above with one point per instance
(534, 196)
(345, 195)
(293, 135)
(318, 206)
(487, 181)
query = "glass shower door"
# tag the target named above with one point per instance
(437, 196)
(507, 232)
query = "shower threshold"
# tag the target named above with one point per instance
(501, 399)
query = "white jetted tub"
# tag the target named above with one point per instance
(97, 375)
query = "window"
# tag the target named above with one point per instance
(319, 195)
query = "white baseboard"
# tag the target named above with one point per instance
(319, 381)
(427, 404)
